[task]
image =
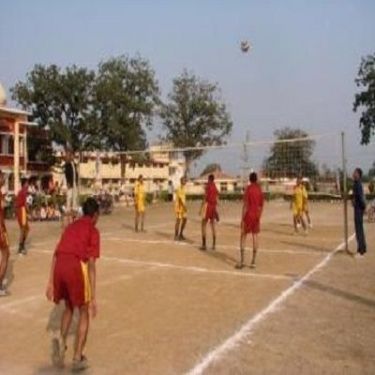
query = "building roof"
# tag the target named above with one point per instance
(14, 111)
(219, 176)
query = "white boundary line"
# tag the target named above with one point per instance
(135, 262)
(231, 247)
(11, 306)
(14, 303)
(123, 230)
(247, 329)
(195, 269)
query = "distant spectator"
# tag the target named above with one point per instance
(43, 212)
(359, 205)
(22, 214)
(170, 191)
(50, 211)
(71, 178)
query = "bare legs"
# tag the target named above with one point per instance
(255, 249)
(139, 217)
(82, 329)
(307, 214)
(299, 219)
(3, 264)
(204, 234)
(243, 236)
(179, 228)
(24, 231)
(66, 321)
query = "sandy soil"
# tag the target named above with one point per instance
(167, 308)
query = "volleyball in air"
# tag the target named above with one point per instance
(245, 46)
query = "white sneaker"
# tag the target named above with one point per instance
(3, 292)
(359, 256)
(58, 351)
(80, 364)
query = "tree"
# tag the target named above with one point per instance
(61, 101)
(195, 116)
(210, 168)
(290, 155)
(371, 172)
(327, 173)
(126, 95)
(366, 98)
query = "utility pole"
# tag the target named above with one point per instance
(345, 191)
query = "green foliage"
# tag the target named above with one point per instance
(195, 115)
(86, 110)
(327, 173)
(164, 196)
(371, 172)
(317, 197)
(365, 99)
(149, 198)
(40, 149)
(235, 196)
(291, 159)
(61, 100)
(126, 93)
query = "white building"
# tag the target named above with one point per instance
(102, 170)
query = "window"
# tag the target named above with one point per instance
(4, 144)
(10, 146)
(223, 187)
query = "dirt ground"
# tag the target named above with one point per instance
(168, 308)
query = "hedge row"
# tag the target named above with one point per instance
(316, 197)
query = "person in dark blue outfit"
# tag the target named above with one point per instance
(359, 205)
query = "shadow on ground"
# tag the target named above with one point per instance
(227, 259)
(305, 246)
(340, 293)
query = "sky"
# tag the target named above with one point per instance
(299, 73)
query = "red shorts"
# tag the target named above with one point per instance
(4, 243)
(22, 219)
(251, 223)
(210, 212)
(70, 281)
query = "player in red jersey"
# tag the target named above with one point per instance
(209, 211)
(4, 244)
(73, 279)
(251, 214)
(22, 216)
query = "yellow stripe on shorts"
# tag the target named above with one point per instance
(86, 281)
